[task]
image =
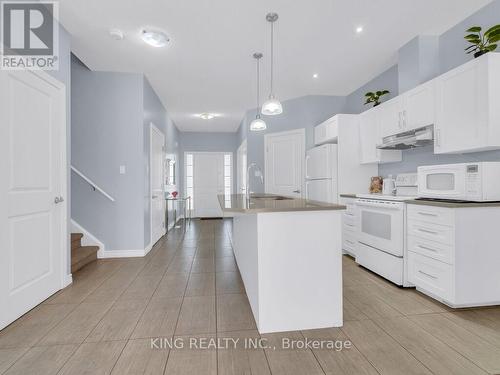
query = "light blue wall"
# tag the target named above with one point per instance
(388, 80)
(107, 131)
(304, 112)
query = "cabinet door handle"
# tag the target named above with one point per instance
(427, 231)
(427, 274)
(427, 214)
(350, 242)
(427, 248)
(438, 137)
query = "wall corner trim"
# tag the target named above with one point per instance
(106, 254)
(67, 280)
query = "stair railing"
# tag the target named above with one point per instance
(92, 184)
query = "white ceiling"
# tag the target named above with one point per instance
(209, 66)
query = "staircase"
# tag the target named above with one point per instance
(81, 255)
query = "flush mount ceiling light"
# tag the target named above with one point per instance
(155, 38)
(116, 34)
(315, 75)
(258, 124)
(206, 116)
(272, 106)
(359, 29)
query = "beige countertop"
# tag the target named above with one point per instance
(451, 204)
(261, 203)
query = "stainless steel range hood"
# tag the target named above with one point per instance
(411, 139)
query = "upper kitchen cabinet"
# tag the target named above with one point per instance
(327, 131)
(467, 107)
(411, 110)
(369, 137)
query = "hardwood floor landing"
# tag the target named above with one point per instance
(121, 316)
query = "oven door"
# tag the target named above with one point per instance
(381, 225)
(442, 182)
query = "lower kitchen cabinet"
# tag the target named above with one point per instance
(349, 226)
(453, 253)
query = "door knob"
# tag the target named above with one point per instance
(58, 200)
(296, 191)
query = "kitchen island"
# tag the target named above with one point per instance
(289, 254)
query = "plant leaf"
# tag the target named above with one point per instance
(472, 36)
(385, 92)
(378, 93)
(474, 29)
(472, 46)
(494, 37)
(492, 47)
(491, 30)
(369, 94)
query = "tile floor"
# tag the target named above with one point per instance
(189, 288)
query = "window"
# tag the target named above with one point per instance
(228, 180)
(189, 178)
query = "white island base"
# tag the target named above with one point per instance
(291, 265)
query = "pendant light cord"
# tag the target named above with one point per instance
(272, 57)
(258, 84)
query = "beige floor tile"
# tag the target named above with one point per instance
(30, 328)
(229, 282)
(93, 358)
(234, 313)
(43, 360)
(344, 358)
(201, 284)
(139, 357)
(142, 287)
(77, 325)
(383, 352)
(351, 312)
(159, 319)
(240, 356)
(226, 264)
(197, 316)
(437, 356)
(172, 285)
(189, 361)
(222, 252)
(9, 356)
(283, 361)
(201, 265)
(371, 305)
(180, 264)
(481, 322)
(470, 345)
(119, 322)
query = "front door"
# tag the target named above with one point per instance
(208, 183)
(33, 221)
(157, 184)
(284, 163)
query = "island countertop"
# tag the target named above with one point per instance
(261, 203)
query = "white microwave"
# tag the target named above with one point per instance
(475, 182)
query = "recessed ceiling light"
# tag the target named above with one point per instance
(207, 116)
(116, 34)
(315, 75)
(155, 38)
(359, 29)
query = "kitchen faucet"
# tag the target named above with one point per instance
(259, 171)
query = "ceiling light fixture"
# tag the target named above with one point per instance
(315, 75)
(359, 29)
(207, 116)
(258, 124)
(155, 38)
(116, 34)
(272, 106)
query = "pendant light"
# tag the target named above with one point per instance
(258, 124)
(272, 106)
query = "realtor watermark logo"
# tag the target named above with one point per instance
(29, 35)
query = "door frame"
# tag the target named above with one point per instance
(65, 277)
(241, 173)
(154, 129)
(300, 132)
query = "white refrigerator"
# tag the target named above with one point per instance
(321, 173)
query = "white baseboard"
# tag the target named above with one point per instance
(88, 238)
(67, 280)
(121, 253)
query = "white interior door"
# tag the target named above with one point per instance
(33, 224)
(284, 163)
(208, 183)
(157, 171)
(242, 168)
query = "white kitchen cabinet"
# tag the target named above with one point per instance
(349, 226)
(369, 137)
(467, 109)
(411, 110)
(326, 132)
(453, 253)
(390, 117)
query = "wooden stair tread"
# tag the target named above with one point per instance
(76, 236)
(83, 252)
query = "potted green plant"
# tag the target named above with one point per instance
(482, 43)
(374, 97)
